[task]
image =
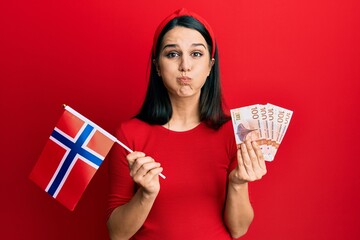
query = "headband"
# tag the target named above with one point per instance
(179, 13)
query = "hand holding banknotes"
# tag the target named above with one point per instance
(251, 164)
(265, 124)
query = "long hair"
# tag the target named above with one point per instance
(157, 109)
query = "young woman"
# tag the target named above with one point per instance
(182, 130)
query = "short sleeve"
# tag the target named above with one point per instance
(122, 186)
(231, 145)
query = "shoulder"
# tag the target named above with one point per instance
(227, 128)
(132, 125)
(228, 137)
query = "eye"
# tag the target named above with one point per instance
(172, 55)
(197, 54)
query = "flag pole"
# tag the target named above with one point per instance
(66, 107)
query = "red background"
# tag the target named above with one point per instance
(93, 55)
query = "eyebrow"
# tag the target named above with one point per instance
(176, 45)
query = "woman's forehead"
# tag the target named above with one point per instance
(179, 35)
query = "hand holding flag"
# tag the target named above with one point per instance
(71, 156)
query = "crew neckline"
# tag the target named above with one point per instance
(194, 129)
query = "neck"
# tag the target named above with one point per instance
(185, 115)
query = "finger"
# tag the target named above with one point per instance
(131, 157)
(147, 167)
(251, 152)
(247, 161)
(239, 158)
(139, 163)
(242, 173)
(152, 174)
(256, 156)
(252, 148)
(245, 155)
(145, 177)
(259, 155)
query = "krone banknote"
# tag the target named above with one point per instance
(246, 123)
(282, 119)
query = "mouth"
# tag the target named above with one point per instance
(183, 80)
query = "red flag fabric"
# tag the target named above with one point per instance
(75, 150)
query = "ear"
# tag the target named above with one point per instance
(212, 62)
(157, 67)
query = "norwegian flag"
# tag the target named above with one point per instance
(71, 156)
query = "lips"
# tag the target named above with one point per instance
(184, 80)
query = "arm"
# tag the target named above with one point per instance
(238, 210)
(238, 213)
(127, 219)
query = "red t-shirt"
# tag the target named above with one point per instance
(196, 164)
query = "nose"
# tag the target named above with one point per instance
(185, 64)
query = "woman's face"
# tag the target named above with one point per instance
(184, 62)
